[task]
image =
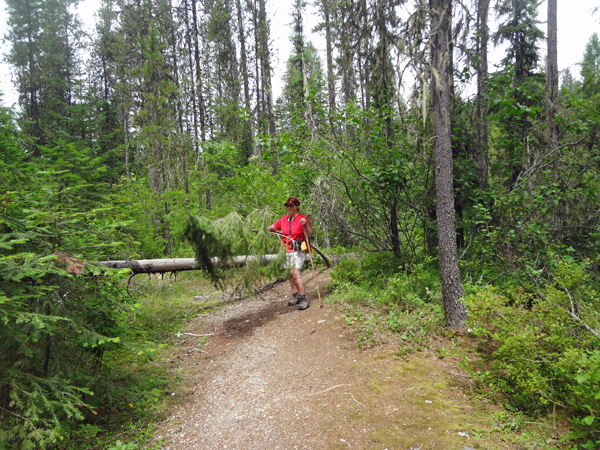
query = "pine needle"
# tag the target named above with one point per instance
(234, 235)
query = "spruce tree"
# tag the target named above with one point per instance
(519, 28)
(590, 66)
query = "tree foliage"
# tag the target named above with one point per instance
(173, 117)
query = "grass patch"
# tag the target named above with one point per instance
(382, 299)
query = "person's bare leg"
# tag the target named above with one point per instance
(298, 281)
(292, 280)
(301, 289)
(294, 285)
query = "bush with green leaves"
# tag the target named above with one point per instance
(366, 269)
(542, 350)
(407, 302)
(586, 399)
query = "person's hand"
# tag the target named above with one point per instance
(303, 221)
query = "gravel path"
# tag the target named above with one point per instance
(255, 388)
(272, 377)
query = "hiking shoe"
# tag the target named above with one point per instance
(303, 304)
(296, 299)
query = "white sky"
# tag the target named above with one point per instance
(575, 26)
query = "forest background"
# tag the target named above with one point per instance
(471, 193)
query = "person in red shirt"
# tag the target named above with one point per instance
(296, 227)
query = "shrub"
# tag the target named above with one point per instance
(542, 349)
(368, 270)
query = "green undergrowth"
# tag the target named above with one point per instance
(533, 352)
(382, 296)
(540, 351)
(138, 382)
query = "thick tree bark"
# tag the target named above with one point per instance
(452, 291)
(482, 102)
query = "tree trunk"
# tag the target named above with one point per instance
(258, 111)
(347, 60)
(173, 265)
(168, 231)
(173, 46)
(243, 60)
(199, 81)
(482, 102)
(552, 90)
(68, 62)
(188, 37)
(329, 47)
(395, 235)
(126, 137)
(452, 291)
(308, 116)
(34, 111)
(265, 57)
(552, 76)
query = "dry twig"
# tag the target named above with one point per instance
(328, 389)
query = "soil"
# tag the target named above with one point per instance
(271, 377)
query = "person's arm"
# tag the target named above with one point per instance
(307, 228)
(276, 226)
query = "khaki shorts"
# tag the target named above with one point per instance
(294, 260)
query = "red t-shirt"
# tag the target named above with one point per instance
(283, 224)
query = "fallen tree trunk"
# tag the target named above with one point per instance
(174, 265)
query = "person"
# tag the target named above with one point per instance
(296, 228)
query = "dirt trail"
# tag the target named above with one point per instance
(274, 377)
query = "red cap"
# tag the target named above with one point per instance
(292, 201)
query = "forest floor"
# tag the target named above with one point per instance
(271, 377)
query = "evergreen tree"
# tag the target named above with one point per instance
(325, 7)
(45, 39)
(590, 66)
(56, 317)
(160, 142)
(293, 103)
(520, 30)
(569, 82)
(104, 97)
(224, 76)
